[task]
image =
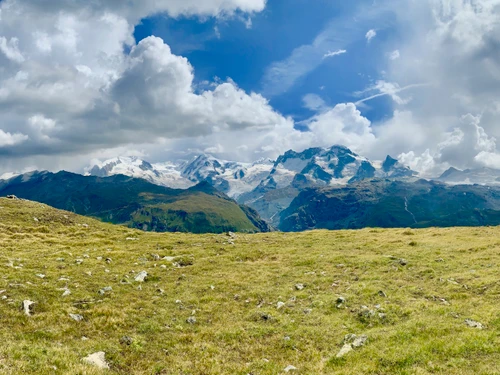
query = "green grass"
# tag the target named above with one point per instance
(231, 288)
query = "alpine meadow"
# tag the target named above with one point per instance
(249, 187)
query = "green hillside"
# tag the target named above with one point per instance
(247, 304)
(393, 204)
(137, 203)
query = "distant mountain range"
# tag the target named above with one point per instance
(390, 204)
(137, 203)
(265, 185)
(317, 188)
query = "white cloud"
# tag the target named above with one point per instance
(334, 53)
(10, 48)
(394, 55)
(8, 139)
(370, 34)
(313, 102)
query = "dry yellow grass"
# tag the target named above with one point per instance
(233, 290)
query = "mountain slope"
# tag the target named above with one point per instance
(384, 203)
(136, 202)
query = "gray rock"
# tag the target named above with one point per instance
(352, 342)
(341, 300)
(105, 289)
(345, 350)
(27, 307)
(299, 286)
(97, 359)
(141, 276)
(40, 275)
(381, 293)
(473, 324)
(290, 368)
(12, 197)
(155, 257)
(280, 305)
(191, 320)
(76, 317)
(403, 262)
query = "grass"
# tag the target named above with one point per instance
(233, 290)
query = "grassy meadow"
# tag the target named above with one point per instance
(210, 302)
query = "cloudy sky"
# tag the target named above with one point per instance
(245, 79)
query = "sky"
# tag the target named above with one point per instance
(244, 79)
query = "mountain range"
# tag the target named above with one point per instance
(137, 203)
(265, 185)
(328, 188)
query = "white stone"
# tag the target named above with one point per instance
(141, 276)
(27, 307)
(290, 368)
(97, 359)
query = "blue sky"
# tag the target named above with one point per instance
(230, 49)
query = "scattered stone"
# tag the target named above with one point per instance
(231, 234)
(84, 338)
(86, 256)
(169, 259)
(287, 338)
(341, 300)
(89, 273)
(60, 259)
(40, 275)
(345, 349)
(352, 342)
(212, 287)
(66, 292)
(126, 340)
(97, 359)
(381, 293)
(403, 262)
(280, 305)
(131, 239)
(27, 307)
(191, 320)
(307, 311)
(99, 258)
(108, 260)
(299, 286)
(76, 317)
(141, 276)
(79, 261)
(63, 279)
(12, 197)
(473, 324)
(155, 257)
(290, 368)
(178, 301)
(35, 220)
(161, 291)
(163, 266)
(105, 289)
(440, 260)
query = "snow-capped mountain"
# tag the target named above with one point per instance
(265, 185)
(315, 167)
(232, 178)
(480, 176)
(165, 174)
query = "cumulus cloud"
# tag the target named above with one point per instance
(370, 34)
(64, 88)
(8, 139)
